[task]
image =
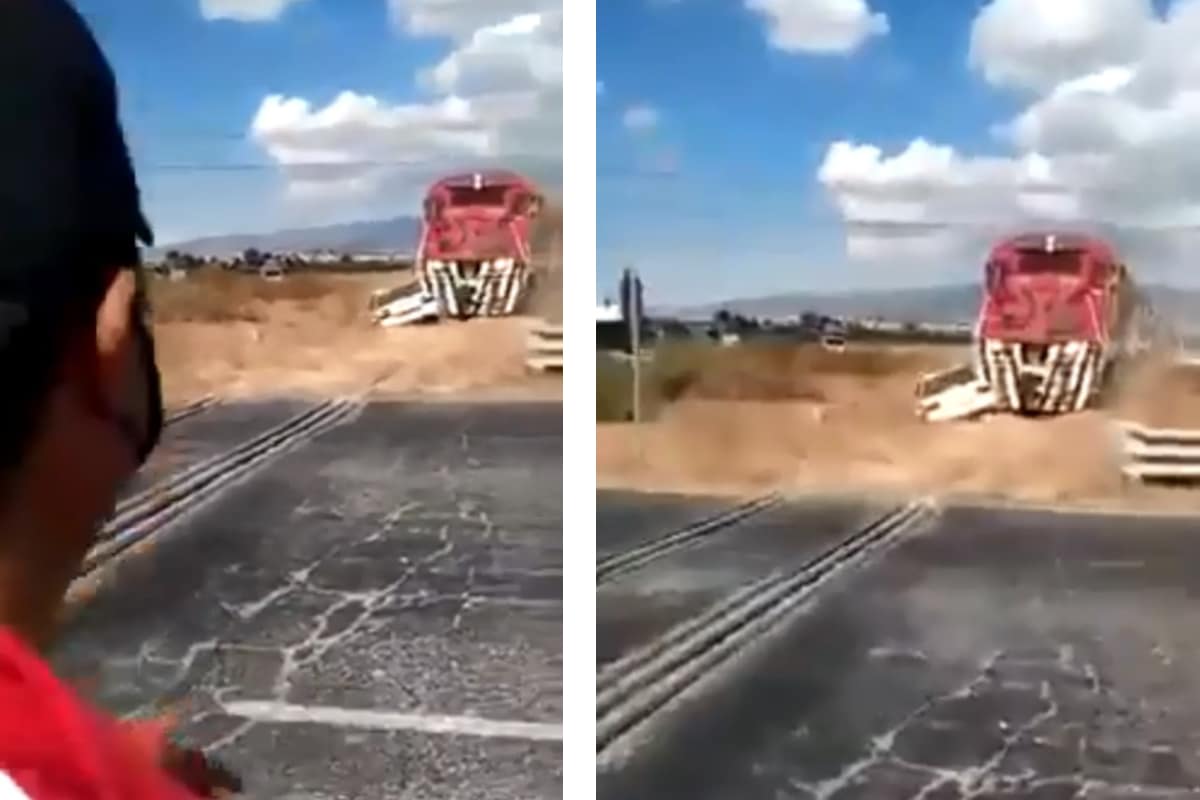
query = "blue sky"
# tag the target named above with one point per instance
(718, 193)
(214, 155)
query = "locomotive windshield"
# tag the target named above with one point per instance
(1039, 262)
(493, 196)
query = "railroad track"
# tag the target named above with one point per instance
(635, 557)
(191, 409)
(635, 688)
(137, 518)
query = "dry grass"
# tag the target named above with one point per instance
(237, 335)
(788, 372)
(772, 373)
(217, 296)
(802, 420)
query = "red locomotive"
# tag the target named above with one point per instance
(1058, 311)
(474, 255)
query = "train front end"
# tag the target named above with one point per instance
(475, 250)
(1045, 329)
(474, 257)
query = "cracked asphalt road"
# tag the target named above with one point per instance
(997, 654)
(376, 614)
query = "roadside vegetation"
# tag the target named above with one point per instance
(759, 372)
(216, 295)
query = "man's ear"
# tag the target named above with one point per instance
(114, 318)
(100, 353)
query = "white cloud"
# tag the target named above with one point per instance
(1108, 139)
(245, 10)
(929, 200)
(640, 118)
(523, 52)
(819, 26)
(462, 18)
(496, 100)
(1037, 44)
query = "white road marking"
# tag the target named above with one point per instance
(284, 713)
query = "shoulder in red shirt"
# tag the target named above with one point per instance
(53, 746)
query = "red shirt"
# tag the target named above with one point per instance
(53, 746)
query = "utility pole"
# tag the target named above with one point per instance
(631, 302)
(636, 322)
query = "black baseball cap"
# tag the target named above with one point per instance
(70, 207)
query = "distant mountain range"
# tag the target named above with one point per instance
(940, 304)
(399, 234)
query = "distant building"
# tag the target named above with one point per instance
(319, 257)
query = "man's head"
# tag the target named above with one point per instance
(80, 408)
(83, 409)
